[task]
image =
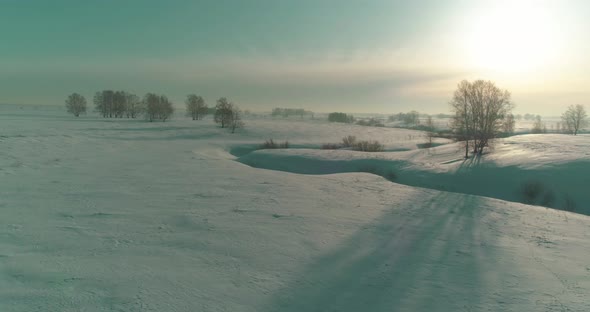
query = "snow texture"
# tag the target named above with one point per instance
(126, 215)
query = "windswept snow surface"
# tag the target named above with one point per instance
(125, 215)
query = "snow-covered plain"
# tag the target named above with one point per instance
(125, 215)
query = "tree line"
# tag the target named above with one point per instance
(119, 104)
(340, 117)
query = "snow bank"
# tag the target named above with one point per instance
(548, 170)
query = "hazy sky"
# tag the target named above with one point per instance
(354, 56)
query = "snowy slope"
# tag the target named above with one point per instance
(558, 164)
(105, 215)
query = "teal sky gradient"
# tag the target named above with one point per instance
(322, 55)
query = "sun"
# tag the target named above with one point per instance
(512, 37)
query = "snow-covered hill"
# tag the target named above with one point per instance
(124, 215)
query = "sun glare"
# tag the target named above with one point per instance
(515, 37)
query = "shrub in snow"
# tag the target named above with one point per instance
(270, 144)
(349, 141)
(331, 146)
(368, 146)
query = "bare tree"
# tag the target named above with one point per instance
(462, 121)
(99, 105)
(104, 102)
(166, 108)
(76, 104)
(195, 106)
(480, 108)
(134, 105)
(236, 120)
(158, 107)
(574, 119)
(223, 112)
(151, 102)
(119, 104)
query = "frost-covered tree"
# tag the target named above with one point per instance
(76, 104)
(479, 109)
(574, 119)
(195, 106)
(223, 112)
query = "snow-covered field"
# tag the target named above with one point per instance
(126, 215)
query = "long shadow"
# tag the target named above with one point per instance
(415, 258)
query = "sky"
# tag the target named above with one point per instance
(372, 56)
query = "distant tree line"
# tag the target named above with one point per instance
(410, 119)
(371, 122)
(288, 112)
(119, 104)
(340, 117)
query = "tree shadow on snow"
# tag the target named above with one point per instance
(420, 258)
